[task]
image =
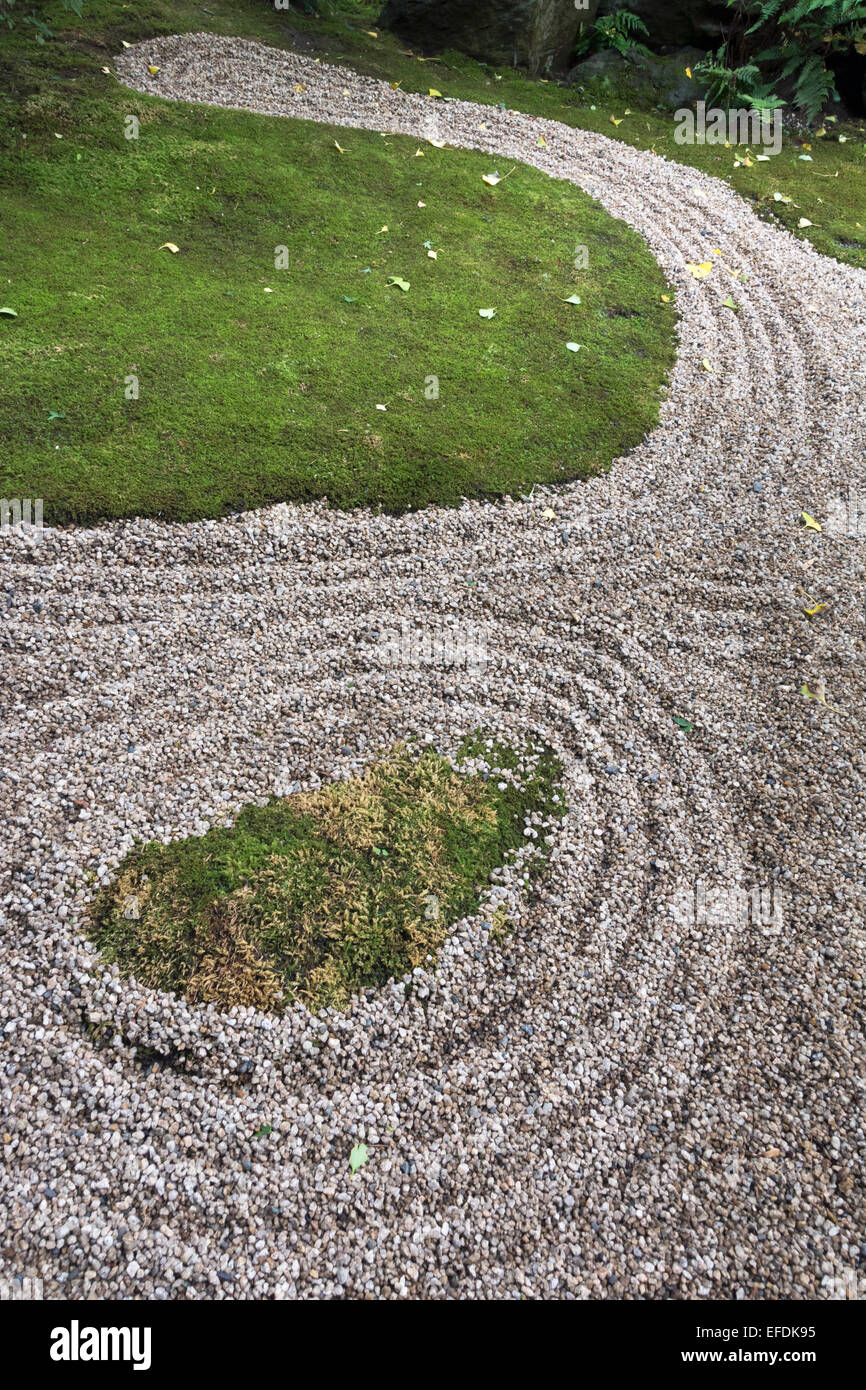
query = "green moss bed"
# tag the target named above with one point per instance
(316, 896)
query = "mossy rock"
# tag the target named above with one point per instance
(316, 896)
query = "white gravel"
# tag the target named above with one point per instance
(618, 1102)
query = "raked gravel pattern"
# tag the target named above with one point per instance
(625, 1099)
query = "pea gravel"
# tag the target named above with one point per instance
(619, 1100)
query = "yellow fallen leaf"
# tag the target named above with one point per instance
(419, 154)
(395, 85)
(542, 142)
(382, 229)
(372, 33)
(339, 147)
(666, 299)
(125, 44)
(433, 92)
(152, 70)
(810, 522)
(819, 693)
(492, 179)
(699, 272)
(169, 246)
(433, 255)
(614, 121)
(707, 365)
(549, 514)
(108, 70)
(688, 72)
(813, 608)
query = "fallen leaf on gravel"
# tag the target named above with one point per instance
(153, 71)
(684, 724)
(486, 313)
(729, 304)
(542, 142)
(549, 514)
(701, 271)
(810, 521)
(358, 1157)
(707, 365)
(813, 608)
(169, 246)
(819, 693)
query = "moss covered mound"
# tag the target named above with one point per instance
(318, 895)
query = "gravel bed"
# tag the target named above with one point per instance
(626, 1098)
